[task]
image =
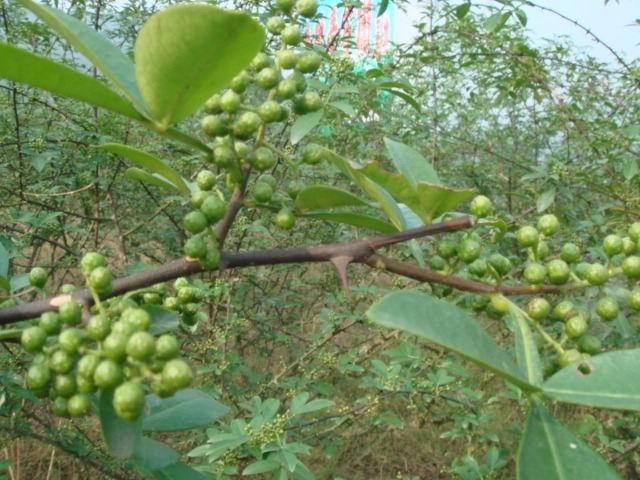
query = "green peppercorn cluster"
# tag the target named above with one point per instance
(186, 301)
(113, 350)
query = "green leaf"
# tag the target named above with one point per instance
(140, 175)
(462, 10)
(345, 107)
(304, 124)
(355, 219)
(551, 452)
(121, 436)
(178, 471)
(162, 320)
(527, 354)
(154, 455)
(187, 52)
(630, 168)
(495, 22)
(188, 408)
(410, 163)
(407, 98)
(109, 59)
(611, 381)
(449, 326)
(261, 466)
(316, 197)
(299, 404)
(384, 4)
(545, 200)
(39, 72)
(427, 200)
(150, 162)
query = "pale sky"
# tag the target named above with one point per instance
(611, 23)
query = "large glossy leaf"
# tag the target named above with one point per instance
(609, 380)
(445, 324)
(551, 452)
(411, 163)
(187, 52)
(318, 197)
(140, 175)
(527, 354)
(189, 408)
(355, 219)
(304, 124)
(427, 200)
(154, 455)
(35, 71)
(109, 59)
(162, 320)
(150, 162)
(121, 436)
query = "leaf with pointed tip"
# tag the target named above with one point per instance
(411, 163)
(551, 452)
(316, 197)
(147, 160)
(25, 67)
(527, 354)
(154, 455)
(139, 175)
(449, 326)
(187, 52)
(189, 408)
(108, 58)
(304, 124)
(121, 436)
(608, 380)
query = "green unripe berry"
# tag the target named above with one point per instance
(60, 361)
(564, 310)
(223, 156)
(480, 206)
(195, 247)
(70, 313)
(631, 267)
(446, 249)
(500, 263)
(37, 277)
(285, 6)
(100, 280)
(115, 346)
(87, 365)
(176, 374)
(141, 346)
(568, 357)
(98, 327)
(67, 289)
(312, 154)
(195, 222)
(214, 126)
(589, 344)
(597, 274)
(262, 192)
(260, 61)
(558, 272)
(527, 236)
(230, 101)
(167, 347)
(287, 88)
(270, 111)
(541, 250)
(275, 25)
(213, 208)
(59, 407)
(38, 377)
(538, 308)
(108, 374)
(570, 253)
(499, 304)
(78, 405)
(436, 262)
(307, 102)
(294, 188)
(309, 62)
(478, 267)
(33, 339)
(548, 224)
(65, 385)
(469, 250)
(287, 59)
(629, 247)
(576, 326)
(211, 259)
(534, 273)
(306, 8)
(246, 125)
(137, 318)
(212, 105)
(241, 149)
(268, 78)
(267, 178)
(128, 401)
(151, 298)
(291, 35)
(612, 245)
(91, 260)
(70, 340)
(581, 270)
(263, 159)
(50, 322)
(634, 299)
(285, 219)
(206, 180)
(607, 308)
(634, 232)
(240, 82)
